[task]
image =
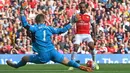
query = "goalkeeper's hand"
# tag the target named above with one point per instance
(75, 18)
(23, 5)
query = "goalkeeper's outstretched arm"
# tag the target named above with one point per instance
(24, 20)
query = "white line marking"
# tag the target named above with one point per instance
(54, 71)
(33, 70)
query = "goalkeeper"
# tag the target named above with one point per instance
(43, 44)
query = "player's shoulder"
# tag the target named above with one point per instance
(34, 26)
(49, 28)
(89, 15)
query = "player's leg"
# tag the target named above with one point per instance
(77, 42)
(23, 62)
(90, 44)
(92, 49)
(57, 57)
(74, 53)
(76, 65)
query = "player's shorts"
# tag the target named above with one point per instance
(52, 55)
(79, 38)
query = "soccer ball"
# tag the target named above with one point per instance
(91, 64)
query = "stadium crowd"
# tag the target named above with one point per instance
(111, 17)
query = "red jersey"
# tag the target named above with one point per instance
(33, 3)
(83, 24)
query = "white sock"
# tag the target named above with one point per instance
(73, 56)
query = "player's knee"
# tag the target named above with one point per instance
(91, 45)
(65, 61)
(25, 59)
(91, 48)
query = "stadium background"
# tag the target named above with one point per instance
(111, 17)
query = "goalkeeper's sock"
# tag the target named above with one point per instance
(21, 63)
(73, 64)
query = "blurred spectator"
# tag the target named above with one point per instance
(58, 49)
(111, 48)
(84, 50)
(121, 49)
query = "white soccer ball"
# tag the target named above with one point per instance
(91, 64)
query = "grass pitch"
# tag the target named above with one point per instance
(58, 68)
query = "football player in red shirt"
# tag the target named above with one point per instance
(83, 24)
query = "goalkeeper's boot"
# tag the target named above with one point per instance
(84, 68)
(96, 66)
(10, 63)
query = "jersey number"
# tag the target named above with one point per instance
(44, 35)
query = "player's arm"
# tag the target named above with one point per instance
(26, 25)
(61, 30)
(74, 18)
(24, 21)
(93, 27)
(67, 26)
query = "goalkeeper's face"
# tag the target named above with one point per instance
(82, 8)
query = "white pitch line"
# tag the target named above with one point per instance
(57, 71)
(34, 70)
(112, 71)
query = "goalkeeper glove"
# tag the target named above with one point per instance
(75, 18)
(23, 6)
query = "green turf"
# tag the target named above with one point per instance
(58, 68)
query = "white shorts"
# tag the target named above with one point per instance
(79, 38)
